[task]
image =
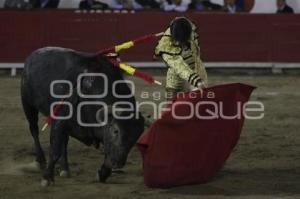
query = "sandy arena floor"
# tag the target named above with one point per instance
(265, 164)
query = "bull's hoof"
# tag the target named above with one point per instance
(64, 174)
(103, 174)
(46, 183)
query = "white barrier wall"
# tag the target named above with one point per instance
(260, 6)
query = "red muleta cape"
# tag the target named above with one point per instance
(187, 151)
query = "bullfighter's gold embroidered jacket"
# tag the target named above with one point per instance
(184, 64)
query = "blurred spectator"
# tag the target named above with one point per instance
(134, 4)
(203, 5)
(18, 4)
(47, 4)
(230, 6)
(176, 5)
(121, 4)
(240, 4)
(282, 7)
(92, 4)
(31, 4)
(148, 3)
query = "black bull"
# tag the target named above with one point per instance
(118, 136)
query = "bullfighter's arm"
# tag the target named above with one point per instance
(182, 69)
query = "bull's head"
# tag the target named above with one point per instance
(120, 133)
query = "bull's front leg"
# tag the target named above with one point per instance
(105, 171)
(64, 163)
(56, 142)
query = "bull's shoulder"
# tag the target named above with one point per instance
(45, 51)
(52, 49)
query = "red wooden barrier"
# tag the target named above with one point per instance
(223, 37)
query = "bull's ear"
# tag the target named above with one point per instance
(103, 114)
